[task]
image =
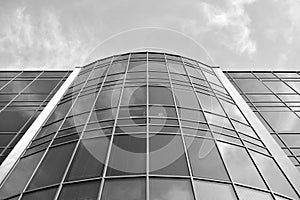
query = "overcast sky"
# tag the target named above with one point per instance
(237, 34)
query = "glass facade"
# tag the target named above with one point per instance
(23, 95)
(275, 98)
(151, 126)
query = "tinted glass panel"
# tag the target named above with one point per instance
(248, 194)
(160, 95)
(89, 159)
(170, 189)
(128, 155)
(80, 191)
(20, 175)
(205, 159)
(186, 98)
(239, 165)
(214, 191)
(167, 155)
(124, 189)
(53, 166)
(47, 194)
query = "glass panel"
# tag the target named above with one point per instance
(233, 111)
(282, 121)
(274, 177)
(117, 67)
(160, 95)
(210, 103)
(162, 111)
(205, 159)
(20, 175)
(83, 104)
(134, 96)
(125, 189)
(108, 99)
(279, 87)
(15, 86)
(167, 155)
(248, 194)
(195, 115)
(41, 86)
(170, 189)
(89, 159)
(186, 98)
(137, 66)
(80, 191)
(214, 191)
(240, 166)
(11, 121)
(128, 155)
(176, 67)
(218, 120)
(157, 66)
(53, 166)
(47, 194)
(251, 85)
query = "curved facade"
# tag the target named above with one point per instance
(148, 126)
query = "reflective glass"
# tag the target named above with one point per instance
(45, 194)
(279, 87)
(89, 159)
(167, 155)
(251, 86)
(160, 95)
(80, 191)
(125, 189)
(108, 99)
(186, 99)
(205, 159)
(167, 189)
(274, 177)
(11, 121)
(118, 67)
(20, 175)
(214, 191)
(282, 121)
(249, 194)
(128, 155)
(176, 67)
(210, 103)
(157, 66)
(134, 96)
(53, 166)
(240, 166)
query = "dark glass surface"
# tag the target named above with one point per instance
(206, 190)
(205, 159)
(170, 189)
(167, 155)
(11, 121)
(128, 155)
(53, 166)
(80, 191)
(89, 159)
(186, 98)
(47, 194)
(108, 99)
(160, 95)
(125, 189)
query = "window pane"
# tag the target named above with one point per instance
(20, 175)
(282, 121)
(11, 121)
(108, 99)
(248, 194)
(125, 189)
(186, 98)
(251, 85)
(162, 111)
(170, 189)
(89, 159)
(215, 191)
(134, 96)
(53, 166)
(239, 165)
(274, 177)
(80, 191)
(160, 95)
(128, 155)
(167, 155)
(279, 87)
(205, 159)
(210, 103)
(47, 194)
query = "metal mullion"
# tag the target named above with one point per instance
(113, 132)
(84, 127)
(47, 149)
(244, 146)
(147, 133)
(180, 127)
(213, 137)
(10, 80)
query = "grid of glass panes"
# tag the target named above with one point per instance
(147, 126)
(275, 99)
(23, 95)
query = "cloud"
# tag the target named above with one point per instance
(294, 17)
(231, 24)
(35, 41)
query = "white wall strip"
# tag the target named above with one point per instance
(17, 151)
(283, 161)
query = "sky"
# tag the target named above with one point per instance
(233, 34)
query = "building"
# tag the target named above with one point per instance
(152, 125)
